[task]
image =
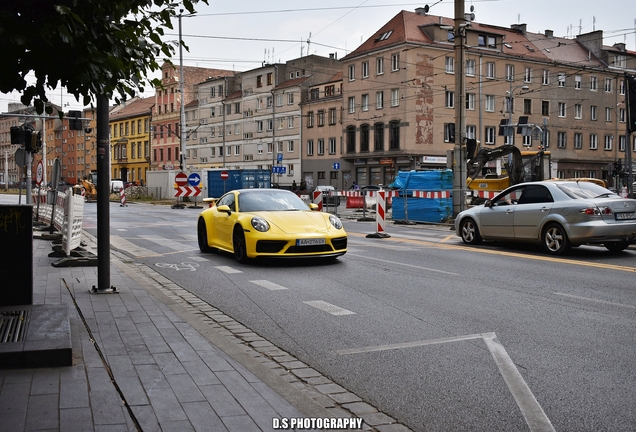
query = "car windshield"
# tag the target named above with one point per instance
(270, 200)
(585, 190)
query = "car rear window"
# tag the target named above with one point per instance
(584, 190)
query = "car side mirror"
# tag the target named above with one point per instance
(224, 208)
(488, 203)
(313, 206)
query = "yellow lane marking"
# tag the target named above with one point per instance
(551, 259)
(445, 239)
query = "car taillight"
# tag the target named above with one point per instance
(596, 211)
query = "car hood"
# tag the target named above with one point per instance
(293, 222)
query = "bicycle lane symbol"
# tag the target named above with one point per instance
(182, 266)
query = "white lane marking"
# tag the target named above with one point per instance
(121, 229)
(595, 300)
(407, 344)
(125, 245)
(405, 265)
(530, 408)
(329, 308)
(197, 258)
(269, 285)
(182, 266)
(171, 244)
(227, 269)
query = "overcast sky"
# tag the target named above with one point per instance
(241, 34)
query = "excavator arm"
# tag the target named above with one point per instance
(485, 155)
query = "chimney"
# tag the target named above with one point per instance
(620, 46)
(520, 28)
(420, 11)
(549, 34)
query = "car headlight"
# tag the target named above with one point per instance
(337, 223)
(260, 224)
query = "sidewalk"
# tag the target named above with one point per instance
(153, 357)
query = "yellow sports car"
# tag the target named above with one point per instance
(269, 223)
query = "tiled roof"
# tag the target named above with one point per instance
(291, 83)
(134, 108)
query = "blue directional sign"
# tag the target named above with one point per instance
(336, 165)
(194, 179)
(279, 157)
(279, 169)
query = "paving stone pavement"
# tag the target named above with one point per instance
(154, 357)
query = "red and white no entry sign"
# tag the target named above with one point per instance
(181, 179)
(224, 175)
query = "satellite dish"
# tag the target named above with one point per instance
(472, 8)
(426, 8)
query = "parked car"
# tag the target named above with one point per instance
(556, 214)
(116, 186)
(327, 197)
(271, 223)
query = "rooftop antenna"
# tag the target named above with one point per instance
(593, 23)
(308, 43)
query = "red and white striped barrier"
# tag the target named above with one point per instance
(318, 199)
(122, 198)
(380, 215)
(431, 194)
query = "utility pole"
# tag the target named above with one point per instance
(459, 173)
(182, 135)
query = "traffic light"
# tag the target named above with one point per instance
(630, 99)
(26, 136)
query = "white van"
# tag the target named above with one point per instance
(116, 186)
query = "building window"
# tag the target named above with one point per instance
(489, 133)
(310, 147)
(332, 146)
(561, 139)
(365, 102)
(310, 119)
(545, 108)
(314, 94)
(395, 62)
(593, 83)
(621, 143)
(290, 146)
(332, 116)
(490, 70)
(290, 98)
(608, 85)
(365, 69)
(290, 122)
(352, 104)
(609, 142)
(470, 67)
(352, 72)
(379, 99)
(470, 101)
(450, 99)
(593, 112)
(578, 111)
(593, 142)
(351, 139)
(321, 146)
(259, 81)
(621, 115)
(395, 97)
(527, 106)
(450, 65)
(490, 103)
(378, 137)
(545, 78)
(379, 66)
(527, 74)
(578, 140)
(577, 82)
(394, 135)
(364, 138)
(620, 61)
(510, 73)
(449, 132)
(608, 114)
(561, 109)
(321, 118)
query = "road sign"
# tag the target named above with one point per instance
(225, 175)
(39, 173)
(181, 179)
(194, 179)
(336, 165)
(279, 169)
(280, 157)
(186, 191)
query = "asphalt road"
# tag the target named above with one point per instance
(439, 335)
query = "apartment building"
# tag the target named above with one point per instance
(166, 133)
(322, 161)
(399, 96)
(253, 120)
(130, 140)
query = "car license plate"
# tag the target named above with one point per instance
(626, 216)
(310, 242)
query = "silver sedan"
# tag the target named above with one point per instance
(557, 214)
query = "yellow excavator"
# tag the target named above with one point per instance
(89, 185)
(494, 169)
